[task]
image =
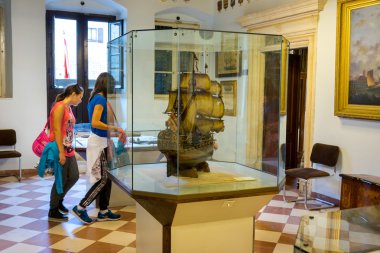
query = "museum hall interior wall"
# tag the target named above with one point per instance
(26, 110)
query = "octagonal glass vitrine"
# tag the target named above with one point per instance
(204, 111)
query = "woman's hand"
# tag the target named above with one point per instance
(62, 158)
(121, 135)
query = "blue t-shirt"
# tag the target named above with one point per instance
(98, 100)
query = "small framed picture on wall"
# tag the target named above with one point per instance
(229, 97)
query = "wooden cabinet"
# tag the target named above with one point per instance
(359, 190)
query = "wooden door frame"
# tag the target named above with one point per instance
(299, 26)
(80, 111)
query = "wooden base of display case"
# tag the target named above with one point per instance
(181, 215)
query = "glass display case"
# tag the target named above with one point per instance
(203, 110)
(349, 230)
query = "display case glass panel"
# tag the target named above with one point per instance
(201, 110)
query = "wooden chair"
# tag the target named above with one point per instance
(324, 154)
(8, 145)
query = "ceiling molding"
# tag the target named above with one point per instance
(296, 13)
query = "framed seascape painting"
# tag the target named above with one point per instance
(357, 84)
(228, 64)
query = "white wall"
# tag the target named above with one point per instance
(26, 110)
(359, 140)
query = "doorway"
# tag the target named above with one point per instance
(77, 53)
(296, 103)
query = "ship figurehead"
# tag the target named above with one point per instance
(195, 112)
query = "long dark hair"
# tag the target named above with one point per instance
(101, 84)
(68, 91)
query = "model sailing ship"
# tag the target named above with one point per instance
(197, 108)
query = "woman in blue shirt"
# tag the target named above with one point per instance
(96, 154)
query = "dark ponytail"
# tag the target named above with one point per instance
(68, 91)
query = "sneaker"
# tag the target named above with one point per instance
(108, 216)
(82, 215)
(55, 215)
(62, 208)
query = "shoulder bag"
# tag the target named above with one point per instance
(41, 141)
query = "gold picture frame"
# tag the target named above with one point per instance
(357, 84)
(284, 76)
(228, 64)
(229, 97)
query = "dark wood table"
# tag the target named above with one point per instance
(359, 190)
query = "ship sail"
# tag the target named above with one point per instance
(201, 81)
(198, 107)
(209, 125)
(172, 101)
(370, 79)
(216, 89)
(201, 105)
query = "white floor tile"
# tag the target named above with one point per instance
(119, 238)
(79, 194)
(17, 221)
(13, 185)
(131, 209)
(22, 247)
(45, 207)
(43, 182)
(15, 210)
(45, 197)
(283, 248)
(267, 236)
(110, 225)
(290, 229)
(127, 250)
(66, 229)
(45, 189)
(13, 192)
(18, 235)
(271, 217)
(80, 187)
(280, 203)
(14, 200)
(72, 244)
(301, 212)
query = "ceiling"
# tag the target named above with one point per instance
(107, 7)
(113, 8)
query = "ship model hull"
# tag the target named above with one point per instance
(185, 155)
(195, 112)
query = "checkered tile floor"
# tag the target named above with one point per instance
(24, 226)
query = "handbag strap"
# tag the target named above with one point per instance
(113, 113)
(46, 125)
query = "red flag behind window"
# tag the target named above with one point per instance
(66, 58)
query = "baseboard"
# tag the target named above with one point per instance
(25, 172)
(325, 198)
